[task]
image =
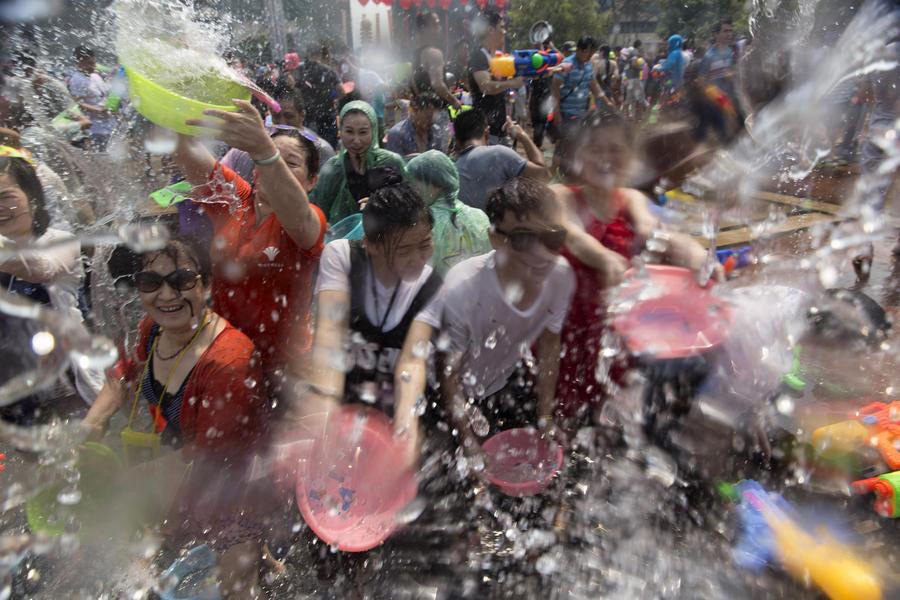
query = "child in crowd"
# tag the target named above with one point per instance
(459, 231)
(606, 224)
(374, 295)
(495, 308)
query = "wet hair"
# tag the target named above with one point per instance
(586, 42)
(25, 176)
(491, 17)
(573, 136)
(637, 43)
(423, 20)
(425, 100)
(469, 125)
(81, 52)
(392, 208)
(124, 262)
(522, 195)
(843, 316)
(605, 50)
(309, 149)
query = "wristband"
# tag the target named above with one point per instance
(268, 161)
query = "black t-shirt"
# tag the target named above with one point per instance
(317, 84)
(357, 183)
(494, 107)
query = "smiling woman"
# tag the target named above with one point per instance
(199, 379)
(190, 357)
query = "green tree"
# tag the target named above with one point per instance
(696, 18)
(571, 19)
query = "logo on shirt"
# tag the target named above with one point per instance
(271, 252)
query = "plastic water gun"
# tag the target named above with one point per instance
(876, 425)
(117, 90)
(172, 194)
(887, 493)
(525, 63)
(771, 534)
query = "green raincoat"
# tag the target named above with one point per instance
(460, 231)
(331, 193)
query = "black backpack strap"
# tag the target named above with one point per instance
(359, 268)
(426, 293)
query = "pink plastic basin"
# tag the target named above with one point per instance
(682, 320)
(520, 463)
(351, 487)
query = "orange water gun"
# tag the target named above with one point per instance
(876, 424)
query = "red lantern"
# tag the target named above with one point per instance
(364, 2)
(430, 3)
(417, 2)
(501, 4)
(405, 4)
(445, 4)
(481, 3)
(387, 2)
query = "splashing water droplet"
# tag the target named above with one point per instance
(69, 496)
(491, 341)
(42, 343)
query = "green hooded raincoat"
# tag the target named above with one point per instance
(459, 231)
(331, 193)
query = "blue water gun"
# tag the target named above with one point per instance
(525, 63)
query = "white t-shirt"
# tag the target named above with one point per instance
(92, 90)
(334, 275)
(492, 333)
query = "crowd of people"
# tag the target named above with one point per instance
(474, 285)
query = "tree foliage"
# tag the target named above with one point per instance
(696, 18)
(571, 19)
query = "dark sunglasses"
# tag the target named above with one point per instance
(524, 240)
(180, 280)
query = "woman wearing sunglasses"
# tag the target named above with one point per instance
(50, 276)
(606, 223)
(268, 236)
(198, 378)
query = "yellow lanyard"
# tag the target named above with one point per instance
(140, 382)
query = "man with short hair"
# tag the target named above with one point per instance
(573, 87)
(717, 65)
(91, 92)
(495, 308)
(483, 168)
(418, 132)
(488, 94)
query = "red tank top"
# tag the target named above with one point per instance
(617, 235)
(586, 320)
